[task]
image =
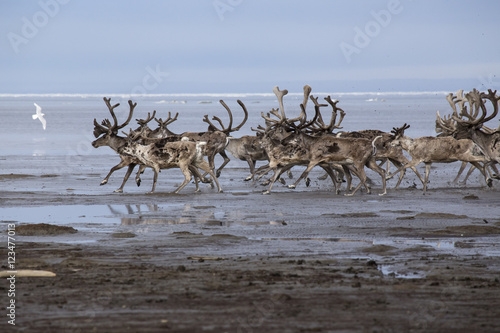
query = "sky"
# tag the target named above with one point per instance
(237, 46)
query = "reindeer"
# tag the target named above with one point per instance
(247, 148)
(350, 153)
(159, 133)
(185, 155)
(448, 126)
(384, 152)
(216, 139)
(431, 149)
(295, 147)
(250, 148)
(471, 125)
(115, 142)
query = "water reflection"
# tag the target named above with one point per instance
(154, 214)
(435, 243)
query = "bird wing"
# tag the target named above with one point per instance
(38, 109)
(44, 122)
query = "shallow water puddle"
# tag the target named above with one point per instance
(61, 215)
(435, 243)
(390, 270)
(125, 215)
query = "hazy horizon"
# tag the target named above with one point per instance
(237, 46)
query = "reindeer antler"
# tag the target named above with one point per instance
(400, 130)
(106, 125)
(144, 122)
(476, 104)
(230, 128)
(279, 94)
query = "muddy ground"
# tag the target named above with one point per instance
(303, 260)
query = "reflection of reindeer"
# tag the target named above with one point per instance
(185, 216)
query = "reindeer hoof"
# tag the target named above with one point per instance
(292, 187)
(118, 191)
(217, 174)
(348, 194)
(265, 192)
(248, 178)
(282, 181)
(104, 182)
(489, 182)
(308, 182)
(381, 194)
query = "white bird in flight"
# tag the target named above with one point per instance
(40, 115)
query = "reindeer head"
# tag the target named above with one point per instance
(109, 130)
(162, 130)
(398, 134)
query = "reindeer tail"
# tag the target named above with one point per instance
(374, 146)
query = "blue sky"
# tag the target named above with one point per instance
(218, 46)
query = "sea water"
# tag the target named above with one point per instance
(70, 116)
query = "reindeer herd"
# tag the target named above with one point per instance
(308, 141)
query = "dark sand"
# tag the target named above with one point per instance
(303, 260)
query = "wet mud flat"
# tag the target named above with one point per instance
(303, 260)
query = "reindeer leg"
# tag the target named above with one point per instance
(251, 165)
(329, 171)
(138, 175)
(123, 163)
(226, 161)
(372, 164)
(496, 174)
(277, 172)
(417, 173)
(348, 177)
(203, 165)
(398, 165)
(127, 175)
(187, 176)
(427, 172)
(155, 178)
(211, 163)
(304, 174)
(462, 168)
(196, 174)
(488, 180)
(471, 169)
(360, 173)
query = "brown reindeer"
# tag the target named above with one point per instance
(247, 148)
(115, 142)
(294, 147)
(431, 149)
(471, 121)
(465, 124)
(185, 155)
(250, 148)
(217, 138)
